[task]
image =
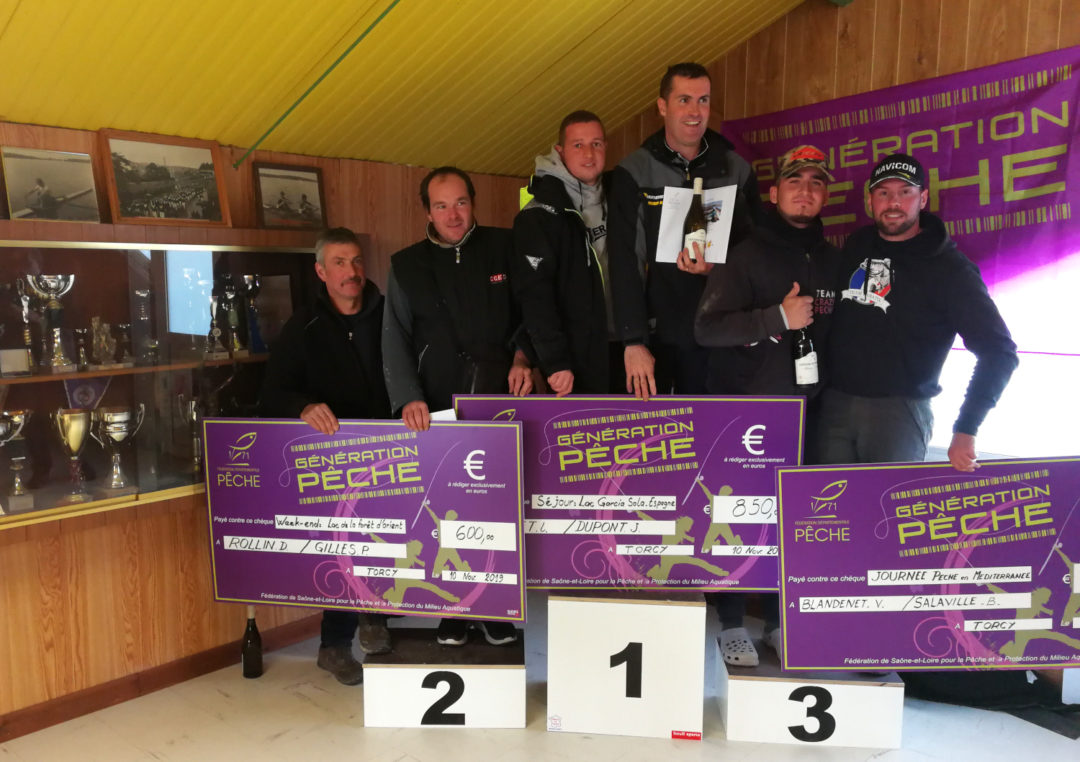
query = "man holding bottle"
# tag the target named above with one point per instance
(326, 365)
(906, 291)
(776, 287)
(654, 303)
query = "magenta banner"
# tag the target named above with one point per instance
(1002, 151)
(922, 567)
(373, 518)
(676, 492)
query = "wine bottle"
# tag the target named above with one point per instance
(251, 647)
(806, 371)
(694, 226)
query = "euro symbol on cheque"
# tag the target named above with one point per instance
(753, 440)
(474, 465)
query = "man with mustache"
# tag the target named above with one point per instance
(327, 364)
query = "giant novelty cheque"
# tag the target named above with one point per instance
(373, 518)
(676, 492)
(920, 566)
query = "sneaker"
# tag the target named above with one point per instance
(372, 635)
(737, 647)
(339, 661)
(498, 633)
(452, 632)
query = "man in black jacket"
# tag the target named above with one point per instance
(906, 292)
(327, 365)
(560, 262)
(449, 325)
(655, 302)
(774, 283)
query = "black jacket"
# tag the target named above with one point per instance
(892, 331)
(319, 357)
(450, 319)
(740, 309)
(557, 280)
(642, 289)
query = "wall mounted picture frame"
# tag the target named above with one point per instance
(49, 185)
(164, 180)
(288, 196)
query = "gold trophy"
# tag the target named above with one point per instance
(73, 426)
(49, 289)
(19, 497)
(113, 428)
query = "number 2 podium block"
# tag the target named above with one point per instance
(422, 684)
(626, 663)
(767, 704)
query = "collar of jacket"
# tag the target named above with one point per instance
(434, 237)
(712, 142)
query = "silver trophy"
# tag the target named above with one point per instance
(114, 428)
(24, 303)
(215, 350)
(49, 288)
(147, 353)
(127, 360)
(251, 291)
(59, 361)
(11, 426)
(73, 428)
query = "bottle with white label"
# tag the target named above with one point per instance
(806, 371)
(694, 226)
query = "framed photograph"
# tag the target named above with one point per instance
(164, 180)
(49, 185)
(288, 196)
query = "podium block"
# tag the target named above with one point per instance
(422, 684)
(767, 704)
(626, 663)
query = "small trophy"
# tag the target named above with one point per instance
(73, 427)
(102, 345)
(113, 428)
(11, 426)
(58, 361)
(251, 291)
(232, 313)
(147, 353)
(189, 411)
(126, 360)
(215, 350)
(81, 356)
(28, 342)
(49, 288)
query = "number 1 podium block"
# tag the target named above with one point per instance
(626, 663)
(768, 704)
(423, 684)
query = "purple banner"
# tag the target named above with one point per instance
(1001, 148)
(922, 567)
(621, 493)
(373, 518)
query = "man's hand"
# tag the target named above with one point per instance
(962, 452)
(799, 310)
(561, 382)
(520, 377)
(699, 267)
(639, 362)
(319, 417)
(415, 415)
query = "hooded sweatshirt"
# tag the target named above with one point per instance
(900, 306)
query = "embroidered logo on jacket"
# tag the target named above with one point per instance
(498, 277)
(533, 261)
(871, 288)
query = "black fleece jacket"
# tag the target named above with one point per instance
(892, 330)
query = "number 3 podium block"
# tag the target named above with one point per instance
(767, 704)
(628, 664)
(422, 684)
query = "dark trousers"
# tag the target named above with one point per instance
(338, 627)
(854, 429)
(679, 369)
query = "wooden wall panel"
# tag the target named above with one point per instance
(818, 52)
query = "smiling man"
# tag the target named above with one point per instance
(654, 303)
(779, 280)
(906, 292)
(560, 261)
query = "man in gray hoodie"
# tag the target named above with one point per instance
(560, 263)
